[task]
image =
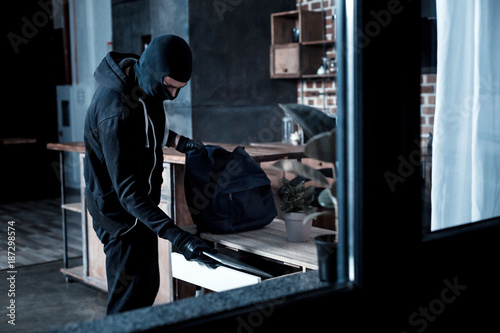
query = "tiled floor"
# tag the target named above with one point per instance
(43, 298)
(38, 231)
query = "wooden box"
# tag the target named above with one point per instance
(310, 26)
(285, 60)
(294, 60)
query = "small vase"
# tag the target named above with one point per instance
(296, 34)
(296, 229)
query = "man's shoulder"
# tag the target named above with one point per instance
(109, 103)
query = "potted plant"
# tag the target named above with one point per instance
(296, 205)
(321, 146)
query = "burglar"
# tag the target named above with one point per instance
(125, 129)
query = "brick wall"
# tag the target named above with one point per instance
(321, 93)
(427, 106)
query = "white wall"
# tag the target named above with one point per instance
(90, 28)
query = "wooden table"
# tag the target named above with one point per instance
(270, 242)
(172, 202)
(174, 175)
(16, 141)
(259, 152)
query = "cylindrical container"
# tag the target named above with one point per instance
(288, 129)
(296, 229)
(326, 247)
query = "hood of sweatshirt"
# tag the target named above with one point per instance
(166, 55)
(110, 72)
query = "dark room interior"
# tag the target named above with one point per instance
(328, 164)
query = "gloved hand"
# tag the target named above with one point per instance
(185, 145)
(192, 248)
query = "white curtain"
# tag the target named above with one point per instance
(466, 146)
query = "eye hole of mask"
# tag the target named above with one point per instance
(168, 88)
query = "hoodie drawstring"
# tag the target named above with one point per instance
(167, 126)
(146, 118)
(147, 121)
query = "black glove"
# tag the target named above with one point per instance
(185, 145)
(192, 248)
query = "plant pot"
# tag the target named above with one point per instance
(326, 248)
(296, 229)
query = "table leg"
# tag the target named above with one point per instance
(63, 210)
(84, 220)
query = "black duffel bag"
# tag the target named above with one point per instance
(226, 191)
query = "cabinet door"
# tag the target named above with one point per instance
(285, 60)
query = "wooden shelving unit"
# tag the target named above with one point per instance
(299, 58)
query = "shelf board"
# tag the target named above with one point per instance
(316, 76)
(319, 42)
(285, 44)
(74, 207)
(310, 43)
(285, 76)
(76, 273)
(303, 76)
(291, 13)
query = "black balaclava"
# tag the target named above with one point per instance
(166, 55)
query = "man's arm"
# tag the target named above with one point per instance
(122, 146)
(183, 144)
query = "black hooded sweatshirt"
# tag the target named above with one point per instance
(125, 130)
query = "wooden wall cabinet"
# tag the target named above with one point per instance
(300, 58)
(285, 60)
